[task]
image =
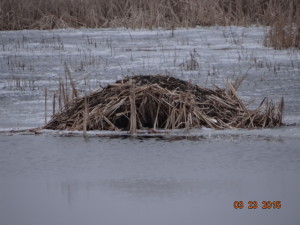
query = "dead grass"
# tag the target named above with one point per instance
(163, 102)
(281, 15)
(285, 30)
(53, 14)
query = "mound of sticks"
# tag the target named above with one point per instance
(163, 102)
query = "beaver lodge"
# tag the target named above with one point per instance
(164, 102)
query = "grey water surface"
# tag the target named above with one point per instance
(48, 180)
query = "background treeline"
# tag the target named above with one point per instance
(282, 15)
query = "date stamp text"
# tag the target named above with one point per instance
(255, 205)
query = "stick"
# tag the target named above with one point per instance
(54, 102)
(74, 91)
(46, 105)
(85, 116)
(132, 109)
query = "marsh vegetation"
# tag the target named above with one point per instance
(32, 61)
(283, 16)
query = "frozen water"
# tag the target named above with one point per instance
(33, 60)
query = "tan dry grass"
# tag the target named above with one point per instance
(53, 14)
(163, 102)
(281, 15)
(285, 31)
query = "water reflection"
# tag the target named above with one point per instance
(142, 188)
(70, 181)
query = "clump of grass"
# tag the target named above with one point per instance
(285, 26)
(192, 62)
(163, 102)
(283, 35)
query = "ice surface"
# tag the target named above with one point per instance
(33, 60)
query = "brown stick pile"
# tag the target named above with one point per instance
(163, 102)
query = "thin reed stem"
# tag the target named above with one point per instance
(46, 93)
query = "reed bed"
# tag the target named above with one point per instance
(281, 15)
(285, 31)
(53, 14)
(163, 102)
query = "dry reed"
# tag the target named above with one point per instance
(85, 116)
(163, 102)
(285, 31)
(53, 14)
(283, 16)
(46, 96)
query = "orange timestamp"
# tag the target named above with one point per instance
(255, 205)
